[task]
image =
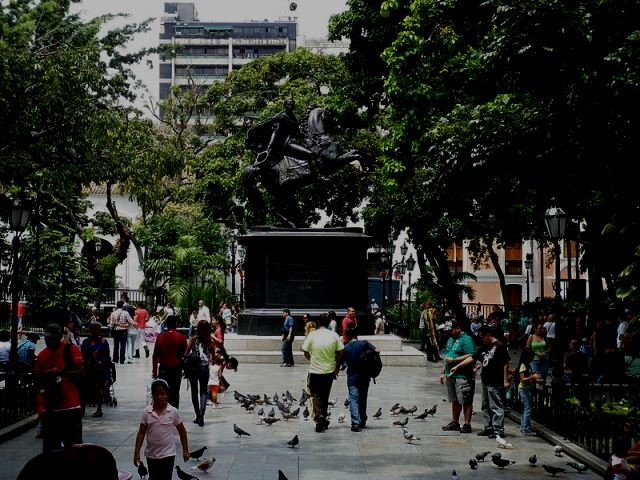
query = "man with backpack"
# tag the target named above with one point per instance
(359, 375)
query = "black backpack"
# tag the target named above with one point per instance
(370, 363)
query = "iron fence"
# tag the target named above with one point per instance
(591, 415)
(17, 397)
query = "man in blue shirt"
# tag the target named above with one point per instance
(287, 339)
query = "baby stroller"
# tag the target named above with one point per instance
(110, 394)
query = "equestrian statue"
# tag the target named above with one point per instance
(290, 155)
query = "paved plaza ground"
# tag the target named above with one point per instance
(377, 453)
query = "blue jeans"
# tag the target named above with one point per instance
(492, 409)
(525, 418)
(540, 366)
(358, 393)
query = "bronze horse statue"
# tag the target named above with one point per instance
(288, 155)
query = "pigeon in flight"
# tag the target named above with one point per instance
(533, 459)
(205, 464)
(271, 420)
(551, 470)
(182, 475)
(401, 423)
(473, 463)
(432, 411)
(502, 462)
(579, 467)
(481, 456)
(557, 450)
(305, 413)
(303, 398)
(378, 414)
(196, 454)
(142, 470)
(408, 436)
(240, 432)
(502, 443)
(293, 442)
(281, 475)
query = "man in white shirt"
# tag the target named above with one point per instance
(203, 311)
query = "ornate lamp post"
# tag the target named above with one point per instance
(390, 250)
(233, 247)
(411, 263)
(556, 221)
(20, 214)
(528, 264)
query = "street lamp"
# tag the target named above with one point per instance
(20, 214)
(390, 250)
(556, 221)
(233, 248)
(411, 263)
(528, 264)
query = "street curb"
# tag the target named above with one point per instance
(15, 429)
(595, 463)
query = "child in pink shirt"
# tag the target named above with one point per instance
(158, 423)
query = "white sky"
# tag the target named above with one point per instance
(312, 15)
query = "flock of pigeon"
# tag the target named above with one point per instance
(266, 406)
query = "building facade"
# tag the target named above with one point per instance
(206, 52)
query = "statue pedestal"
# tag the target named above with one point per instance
(308, 270)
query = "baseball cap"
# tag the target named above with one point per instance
(53, 330)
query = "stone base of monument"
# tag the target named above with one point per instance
(267, 349)
(308, 270)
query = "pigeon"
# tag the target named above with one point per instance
(347, 402)
(579, 467)
(281, 475)
(205, 464)
(378, 414)
(398, 410)
(251, 407)
(293, 442)
(196, 454)
(271, 420)
(408, 436)
(502, 462)
(454, 476)
(502, 443)
(182, 475)
(290, 397)
(412, 410)
(551, 470)
(341, 417)
(142, 470)
(272, 413)
(305, 413)
(333, 401)
(481, 456)
(473, 463)
(303, 398)
(401, 423)
(496, 455)
(533, 459)
(432, 411)
(261, 412)
(240, 432)
(423, 415)
(295, 412)
(395, 406)
(557, 450)
(286, 416)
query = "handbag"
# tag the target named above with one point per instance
(192, 363)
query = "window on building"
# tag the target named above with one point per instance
(570, 249)
(454, 257)
(513, 259)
